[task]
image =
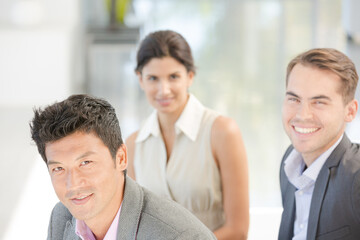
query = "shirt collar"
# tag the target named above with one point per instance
(150, 127)
(188, 122)
(190, 119)
(294, 165)
(84, 232)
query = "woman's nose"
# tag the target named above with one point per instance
(164, 87)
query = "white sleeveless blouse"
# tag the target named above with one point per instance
(191, 176)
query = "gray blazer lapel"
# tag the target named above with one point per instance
(316, 202)
(69, 232)
(288, 216)
(321, 185)
(130, 210)
(286, 230)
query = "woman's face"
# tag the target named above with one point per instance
(165, 82)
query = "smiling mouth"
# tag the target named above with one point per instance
(305, 130)
(165, 101)
(81, 199)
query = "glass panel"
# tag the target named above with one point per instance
(241, 49)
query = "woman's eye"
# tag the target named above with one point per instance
(174, 76)
(152, 78)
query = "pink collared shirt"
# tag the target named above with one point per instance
(84, 232)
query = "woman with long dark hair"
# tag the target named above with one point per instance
(185, 151)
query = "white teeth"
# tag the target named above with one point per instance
(81, 197)
(305, 130)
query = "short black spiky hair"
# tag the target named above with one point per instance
(77, 113)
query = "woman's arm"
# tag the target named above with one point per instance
(229, 151)
(130, 144)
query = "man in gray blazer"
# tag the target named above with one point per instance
(80, 141)
(320, 171)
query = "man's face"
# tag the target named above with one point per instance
(314, 113)
(85, 177)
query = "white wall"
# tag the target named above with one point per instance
(37, 49)
(37, 38)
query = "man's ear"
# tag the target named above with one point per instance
(351, 110)
(140, 78)
(121, 160)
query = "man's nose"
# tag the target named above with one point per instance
(304, 111)
(74, 179)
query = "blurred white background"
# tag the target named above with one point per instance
(50, 49)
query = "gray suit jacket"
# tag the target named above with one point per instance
(143, 216)
(335, 204)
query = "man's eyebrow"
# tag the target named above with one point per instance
(312, 98)
(292, 94)
(321, 97)
(50, 162)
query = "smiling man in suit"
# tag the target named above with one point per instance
(320, 171)
(80, 141)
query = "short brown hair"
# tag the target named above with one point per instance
(333, 60)
(165, 44)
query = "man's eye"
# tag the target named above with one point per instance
(83, 163)
(57, 169)
(293, 100)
